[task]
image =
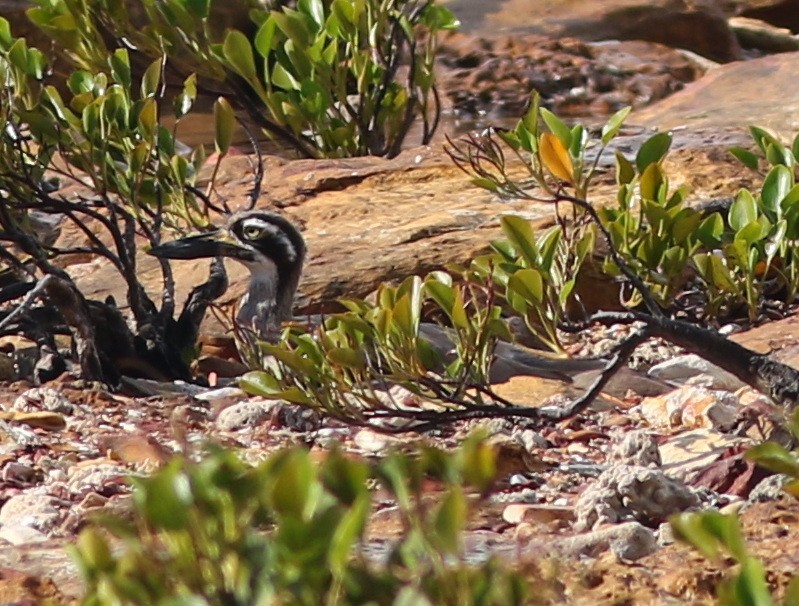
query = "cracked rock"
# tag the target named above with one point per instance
(635, 448)
(43, 398)
(631, 492)
(249, 413)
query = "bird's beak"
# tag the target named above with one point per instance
(217, 243)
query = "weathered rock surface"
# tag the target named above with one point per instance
(698, 26)
(762, 91)
(492, 77)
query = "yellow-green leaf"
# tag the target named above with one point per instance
(555, 157)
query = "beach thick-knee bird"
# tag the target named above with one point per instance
(272, 248)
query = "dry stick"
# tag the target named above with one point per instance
(762, 372)
(66, 298)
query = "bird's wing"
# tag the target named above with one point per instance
(512, 360)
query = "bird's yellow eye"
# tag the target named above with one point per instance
(252, 232)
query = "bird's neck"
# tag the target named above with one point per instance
(269, 300)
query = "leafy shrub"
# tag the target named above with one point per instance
(328, 77)
(662, 241)
(290, 531)
(758, 254)
(538, 273)
(107, 139)
(347, 366)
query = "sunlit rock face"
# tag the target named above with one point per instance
(770, 97)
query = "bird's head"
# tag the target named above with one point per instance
(271, 248)
(253, 238)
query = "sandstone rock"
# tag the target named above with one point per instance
(757, 34)
(699, 26)
(628, 542)
(43, 398)
(780, 13)
(492, 77)
(718, 100)
(689, 452)
(31, 508)
(691, 406)
(517, 513)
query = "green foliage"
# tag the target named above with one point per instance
(758, 254)
(346, 366)
(103, 128)
(538, 273)
(291, 531)
(778, 459)
(652, 230)
(327, 77)
(102, 140)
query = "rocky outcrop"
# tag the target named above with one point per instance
(492, 77)
(699, 26)
(762, 91)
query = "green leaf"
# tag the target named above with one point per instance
(349, 530)
(224, 125)
(294, 26)
(347, 358)
(750, 233)
(485, 183)
(652, 179)
(750, 586)
(450, 520)
(557, 126)
(776, 185)
(292, 493)
(520, 234)
(653, 150)
(119, 63)
(148, 118)
(614, 124)
(743, 210)
(80, 81)
(151, 79)
(777, 153)
(441, 293)
(710, 230)
(314, 9)
(438, 18)
(282, 78)
(479, 463)
(237, 50)
(746, 157)
(625, 172)
(5, 34)
(774, 457)
(528, 284)
(259, 383)
(198, 8)
(761, 137)
(164, 498)
(265, 38)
